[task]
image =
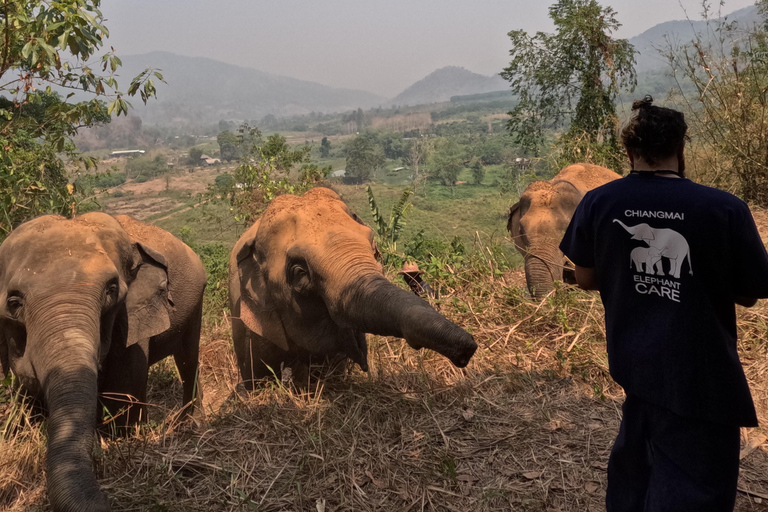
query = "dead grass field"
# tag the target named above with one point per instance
(527, 426)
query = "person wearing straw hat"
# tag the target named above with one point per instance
(412, 276)
(671, 258)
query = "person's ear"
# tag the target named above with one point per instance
(631, 160)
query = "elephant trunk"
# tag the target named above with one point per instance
(543, 266)
(372, 304)
(67, 367)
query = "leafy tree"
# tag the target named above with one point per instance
(447, 162)
(571, 76)
(48, 44)
(224, 181)
(363, 159)
(194, 155)
(325, 147)
(259, 179)
(228, 145)
(478, 171)
(276, 148)
(393, 145)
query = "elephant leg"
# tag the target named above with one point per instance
(124, 384)
(659, 266)
(649, 263)
(186, 358)
(674, 268)
(261, 359)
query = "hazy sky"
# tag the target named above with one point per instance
(381, 46)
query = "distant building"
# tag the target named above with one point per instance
(126, 153)
(338, 174)
(212, 161)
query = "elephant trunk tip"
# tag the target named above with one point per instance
(466, 349)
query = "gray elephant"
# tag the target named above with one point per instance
(662, 243)
(538, 221)
(86, 306)
(304, 283)
(639, 257)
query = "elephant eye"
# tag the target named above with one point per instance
(298, 276)
(14, 303)
(111, 292)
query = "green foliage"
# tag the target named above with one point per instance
(228, 145)
(447, 161)
(573, 75)
(478, 171)
(87, 183)
(325, 147)
(389, 230)
(32, 182)
(194, 155)
(364, 158)
(277, 150)
(266, 171)
(146, 167)
(51, 43)
(224, 181)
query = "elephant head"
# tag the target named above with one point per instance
(304, 281)
(639, 232)
(70, 289)
(538, 220)
(537, 223)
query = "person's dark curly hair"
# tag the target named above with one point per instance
(654, 133)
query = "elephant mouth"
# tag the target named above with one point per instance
(355, 346)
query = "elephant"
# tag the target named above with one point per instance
(304, 283)
(639, 257)
(86, 306)
(538, 221)
(662, 243)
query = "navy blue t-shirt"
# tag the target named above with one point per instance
(670, 257)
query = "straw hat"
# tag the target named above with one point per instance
(410, 268)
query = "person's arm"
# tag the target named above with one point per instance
(578, 245)
(585, 277)
(750, 267)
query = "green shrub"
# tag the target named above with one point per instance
(146, 167)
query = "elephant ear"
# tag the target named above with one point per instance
(513, 226)
(254, 312)
(148, 301)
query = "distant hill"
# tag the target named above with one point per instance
(445, 83)
(202, 91)
(678, 33)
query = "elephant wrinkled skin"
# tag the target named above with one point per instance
(538, 221)
(304, 282)
(86, 306)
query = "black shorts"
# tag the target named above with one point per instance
(662, 462)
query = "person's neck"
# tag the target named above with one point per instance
(668, 164)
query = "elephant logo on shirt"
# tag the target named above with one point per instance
(662, 243)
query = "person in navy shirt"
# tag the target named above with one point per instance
(670, 258)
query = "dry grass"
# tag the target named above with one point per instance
(527, 426)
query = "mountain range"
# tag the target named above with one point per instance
(200, 90)
(204, 91)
